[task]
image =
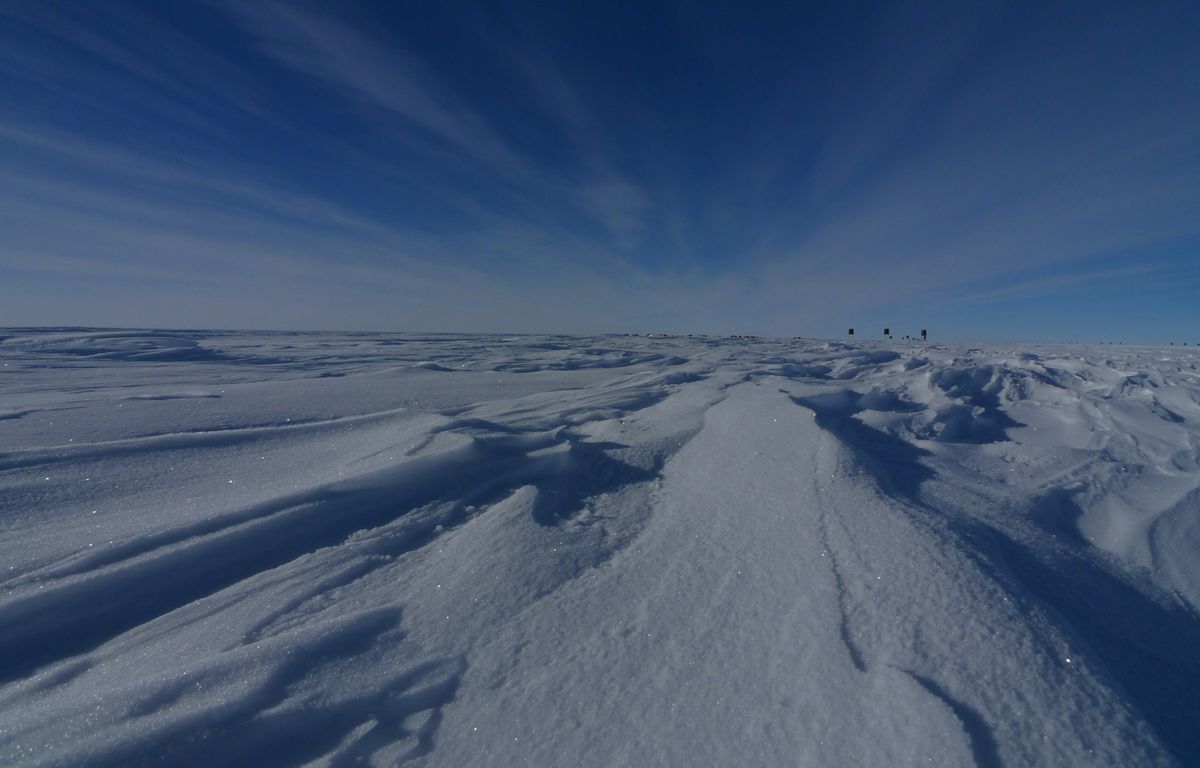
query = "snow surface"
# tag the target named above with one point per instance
(336, 549)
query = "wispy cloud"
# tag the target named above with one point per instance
(1051, 284)
(612, 166)
(386, 77)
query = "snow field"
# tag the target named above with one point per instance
(383, 549)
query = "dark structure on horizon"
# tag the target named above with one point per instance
(887, 334)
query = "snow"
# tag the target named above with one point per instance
(448, 550)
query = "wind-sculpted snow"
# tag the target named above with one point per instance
(288, 549)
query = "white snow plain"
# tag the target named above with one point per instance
(375, 549)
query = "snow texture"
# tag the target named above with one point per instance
(446, 550)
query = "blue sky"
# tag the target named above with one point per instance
(988, 171)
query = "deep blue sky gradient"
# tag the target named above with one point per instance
(990, 171)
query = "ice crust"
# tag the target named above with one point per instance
(380, 549)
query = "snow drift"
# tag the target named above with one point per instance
(333, 549)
